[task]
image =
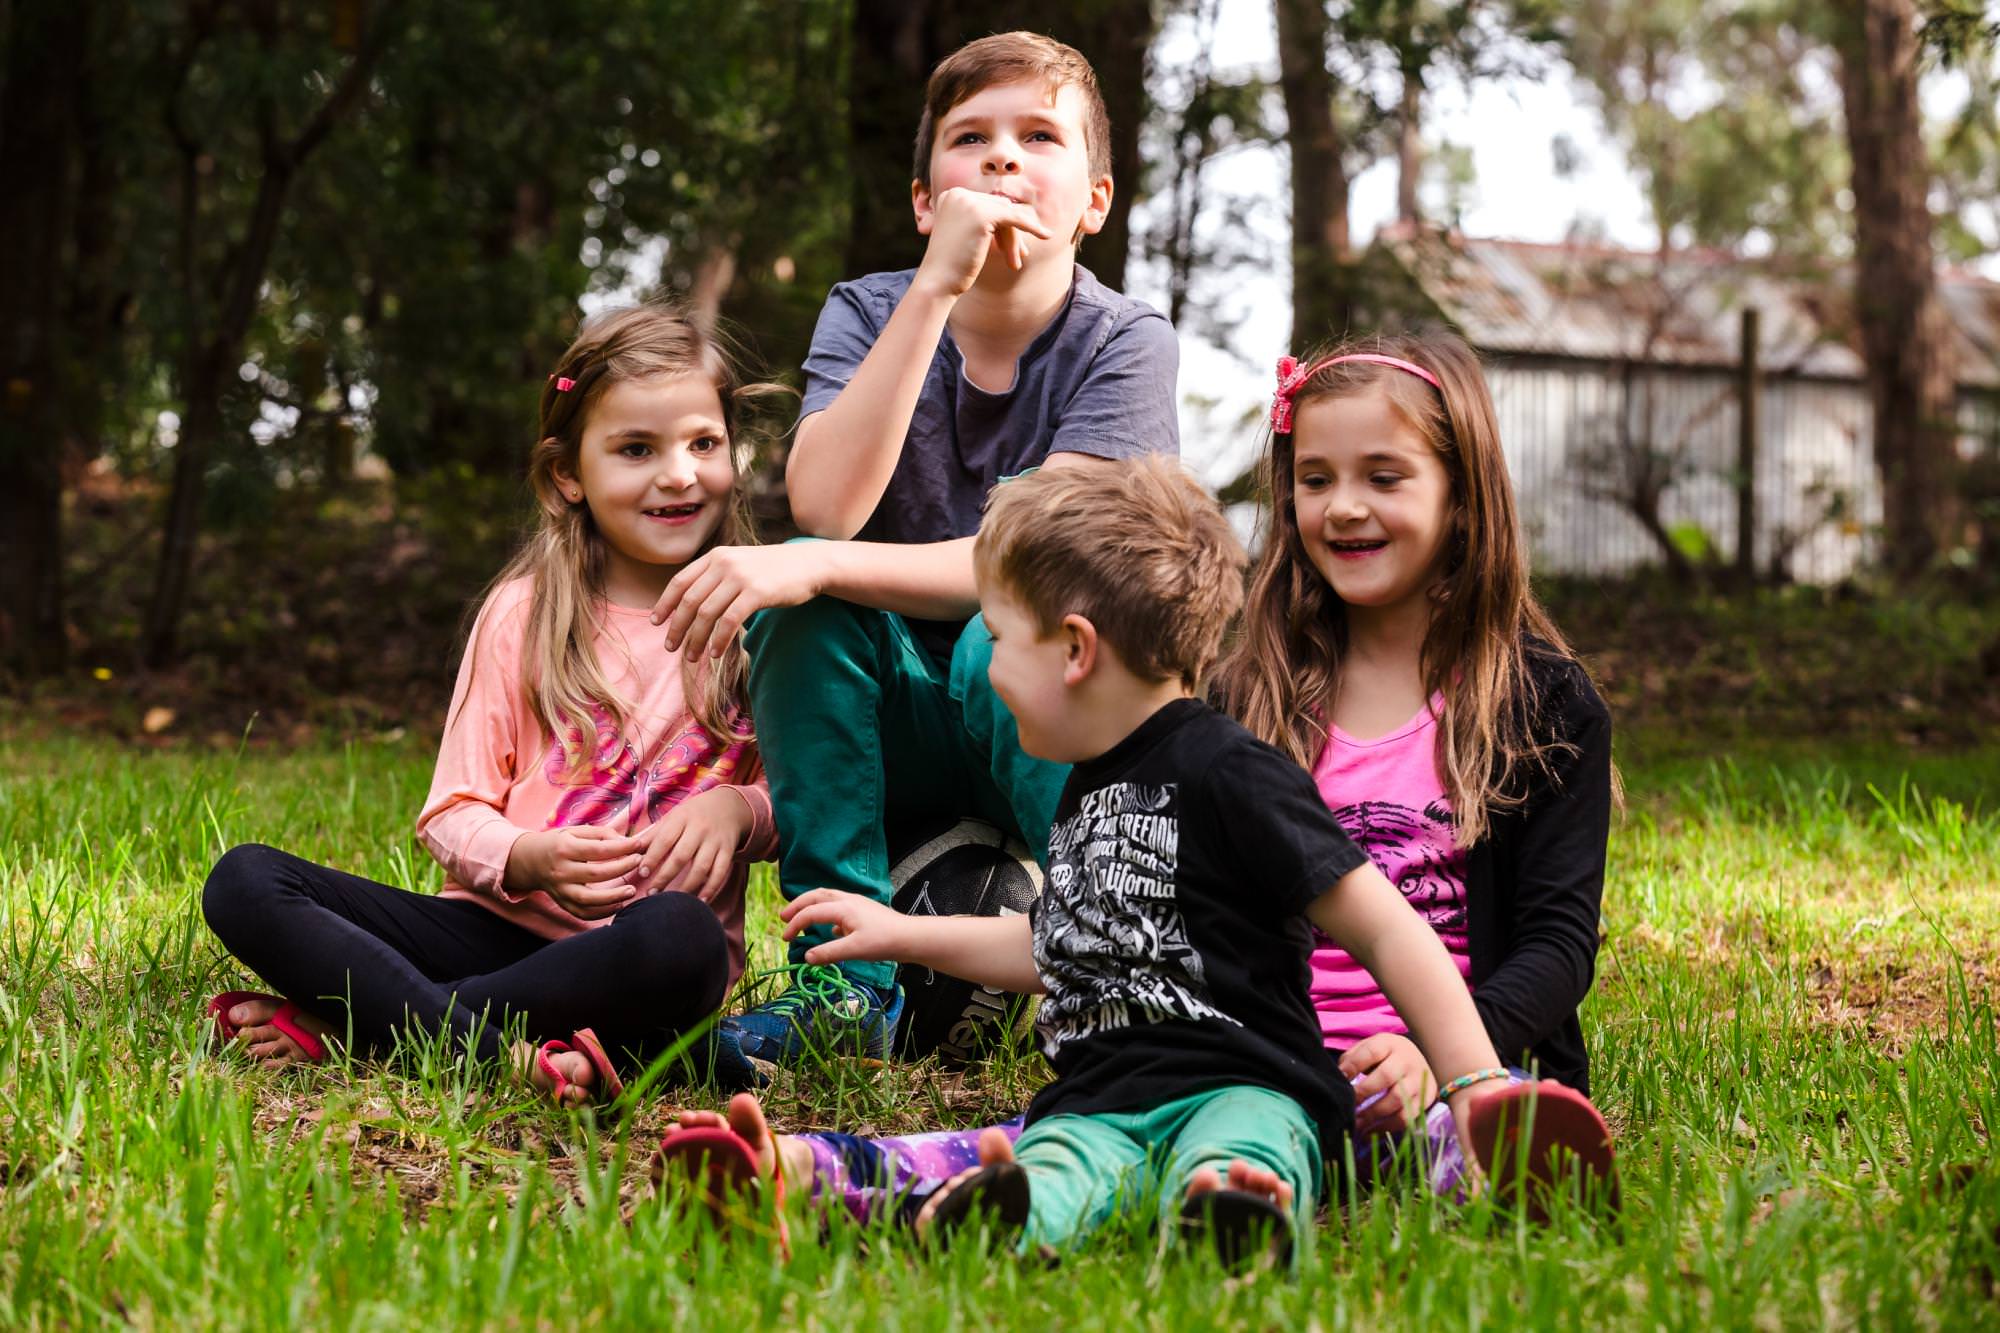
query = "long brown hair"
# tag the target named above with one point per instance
(564, 553)
(1284, 674)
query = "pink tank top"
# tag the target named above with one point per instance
(1386, 794)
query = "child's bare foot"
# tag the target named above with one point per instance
(270, 1046)
(578, 1073)
(745, 1118)
(1246, 1215)
(1244, 1179)
(1010, 1202)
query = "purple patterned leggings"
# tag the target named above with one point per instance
(865, 1174)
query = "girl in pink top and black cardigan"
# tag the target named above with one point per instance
(597, 800)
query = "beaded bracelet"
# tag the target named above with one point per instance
(1464, 1081)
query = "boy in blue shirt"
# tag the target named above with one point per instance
(996, 355)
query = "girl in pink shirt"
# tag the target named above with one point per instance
(597, 800)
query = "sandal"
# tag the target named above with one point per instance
(722, 1165)
(286, 1020)
(1564, 1136)
(996, 1194)
(1243, 1227)
(609, 1087)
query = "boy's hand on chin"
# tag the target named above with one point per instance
(963, 226)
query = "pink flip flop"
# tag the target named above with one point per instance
(1564, 1134)
(609, 1086)
(721, 1164)
(286, 1020)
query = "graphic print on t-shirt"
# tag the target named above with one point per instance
(1418, 851)
(1109, 938)
(618, 785)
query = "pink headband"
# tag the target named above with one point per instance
(1292, 377)
(563, 383)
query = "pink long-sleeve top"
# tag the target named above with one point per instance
(500, 773)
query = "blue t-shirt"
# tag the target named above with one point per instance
(1098, 380)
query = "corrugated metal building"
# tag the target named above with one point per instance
(1615, 376)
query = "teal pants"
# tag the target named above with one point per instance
(1085, 1169)
(858, 727)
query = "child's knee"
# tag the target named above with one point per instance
(236, 884)
(676, 944)
(810, 627)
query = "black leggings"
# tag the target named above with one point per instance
(356, 953)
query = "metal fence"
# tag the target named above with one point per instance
(1592, 448)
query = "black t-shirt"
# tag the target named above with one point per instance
(1171, 933)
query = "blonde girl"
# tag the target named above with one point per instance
(597, 800)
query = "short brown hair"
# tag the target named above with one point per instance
(1013, 57)
(1138, 549)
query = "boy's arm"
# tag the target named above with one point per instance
(844, 454)
(1365, 915)
(995, 951)
(710, 600)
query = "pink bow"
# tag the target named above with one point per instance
(1291, 377)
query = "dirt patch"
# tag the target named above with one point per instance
(1894, 1002)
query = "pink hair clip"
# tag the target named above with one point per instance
(563, 383)
(1292, 377)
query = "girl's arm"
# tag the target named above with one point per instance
(995, 951)
(761, 842)
(462, 823)
(1557, 859)
(1365, 915)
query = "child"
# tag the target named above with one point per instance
(596, 803)
(995, 355)
(1184, 862)
(1514, 891)
(1393, 645)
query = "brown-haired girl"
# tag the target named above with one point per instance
(1392, 645)
(597, 799)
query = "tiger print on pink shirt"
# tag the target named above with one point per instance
(1386, 794)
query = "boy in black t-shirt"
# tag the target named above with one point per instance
(1185, 862)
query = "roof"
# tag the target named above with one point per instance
(1597, 303)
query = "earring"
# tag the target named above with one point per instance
(573, 496)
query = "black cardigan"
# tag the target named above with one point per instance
(1534, 885)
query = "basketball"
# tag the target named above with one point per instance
(964, 867)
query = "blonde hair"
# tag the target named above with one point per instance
(1138, 549)
(1013, 57)
(564, 554)
(1284, 675)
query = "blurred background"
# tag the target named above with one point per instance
(281, 281)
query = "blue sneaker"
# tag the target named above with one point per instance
(823, 1012)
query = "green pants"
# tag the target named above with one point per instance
(1085, 1169)
(858, 727)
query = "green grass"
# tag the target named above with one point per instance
(1793, 1029)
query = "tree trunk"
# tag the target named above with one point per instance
(1322, 296)
(895, 45)
(1409, 149)
(1905, 333)
(46, 44)
(892, 57)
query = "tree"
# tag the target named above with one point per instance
(221, 269)
(1322, 302)
(1905, 333)
(45, 53)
